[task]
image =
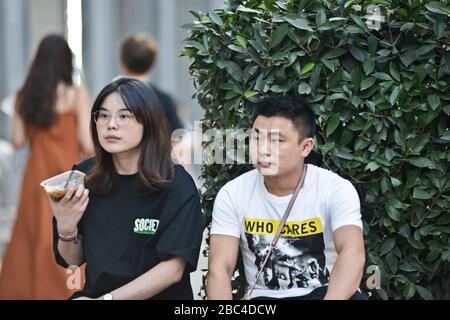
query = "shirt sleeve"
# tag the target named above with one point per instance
(225, 219)
(183, 236)
(344, 206)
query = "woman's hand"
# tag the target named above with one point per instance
(69, 210)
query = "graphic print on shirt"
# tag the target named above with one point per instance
(145, 226)
(297, 261)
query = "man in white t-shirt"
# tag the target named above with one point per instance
(320, 254)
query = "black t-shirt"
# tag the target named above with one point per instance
(170, 109)
(127, 233)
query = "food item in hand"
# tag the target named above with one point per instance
(57, 186)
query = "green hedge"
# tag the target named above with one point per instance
(382, 100)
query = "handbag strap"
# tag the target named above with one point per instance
(299, 186)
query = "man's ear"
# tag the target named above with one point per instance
(307, 145)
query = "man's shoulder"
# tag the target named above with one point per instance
(243, 180)
(162, 95)
(327, 179)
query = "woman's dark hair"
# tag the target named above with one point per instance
(52, 64)
(156, 168)
(288, 107)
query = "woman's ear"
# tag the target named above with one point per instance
(307, 146)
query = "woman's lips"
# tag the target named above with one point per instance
(112, 139)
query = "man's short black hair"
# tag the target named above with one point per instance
(138, 53)
(300, 113)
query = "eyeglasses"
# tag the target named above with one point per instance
(122, 118)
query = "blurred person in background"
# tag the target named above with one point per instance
(52, 115)
(137, 56)
(138, 53)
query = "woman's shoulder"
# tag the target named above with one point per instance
(182, 181)
(84, 165)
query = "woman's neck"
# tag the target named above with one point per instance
(127, 163)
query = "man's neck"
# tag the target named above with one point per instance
(283, 185)
(141, 77)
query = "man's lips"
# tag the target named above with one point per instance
(264, 164)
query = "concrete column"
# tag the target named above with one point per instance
(167, 35)
(13, 43)
(45, 17)
(100, 43)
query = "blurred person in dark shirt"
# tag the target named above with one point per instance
(138, 53)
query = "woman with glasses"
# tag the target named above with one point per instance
(138, 224)
(51, 115)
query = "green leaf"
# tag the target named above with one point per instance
(304, 88)
(394, 71)
(367, 83)
(358, 21)
(395, 182)
(433, 101)
(361, 144)
(249, 10)
(410, 290)
(321, 18)
(237, 48)
(405, 230)
(353, 29)
(399, 139)
(389, 154)
(424, 293)
(383, 76)
(395, 94)
(234, 70)
(307, 68)
(241, 41)
(300, 23)
(371, 106)
(372, 166)
(196, 45)
(418, 193)
(437, 7)
(357, 53)
(408, 57)
(387, 246)
(372, 43)
(279, 34)
(216, 19)
(330, 64)
(327, 147)
(250, 93)
(334, 53)
(393, 213)
(333, 123)
(422, 162)
(446, 136)
(407, 26)
(344, 154)
(369, 66)
(425, 49)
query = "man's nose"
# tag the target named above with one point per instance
(264, 147)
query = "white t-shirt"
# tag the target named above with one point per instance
(305, 254)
